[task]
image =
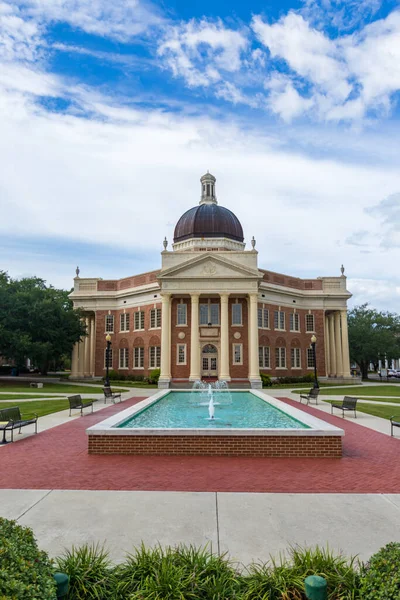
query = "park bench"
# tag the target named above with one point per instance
(76, 402)
(394, 422)
(36, 385)
(348, 403)
(312, 395)
(11, 418)
(108, 394)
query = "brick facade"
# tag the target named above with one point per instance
(254, 446)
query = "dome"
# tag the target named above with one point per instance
(208, 221)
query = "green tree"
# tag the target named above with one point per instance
(372, 335)
(36, 322)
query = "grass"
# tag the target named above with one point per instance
(363, 390)
(376, 410)
(134, 384)
(46, 407)
(8, 396)
(56, 387)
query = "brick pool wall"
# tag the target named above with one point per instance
(252, 446)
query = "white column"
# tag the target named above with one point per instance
(338, 345)
(345, 344)
(87, 349)
(92, 368)
(224, 367)
(254, 371)
(327, 346)
(332, 351)
(165, 372)
(75, 360)
(194, 339)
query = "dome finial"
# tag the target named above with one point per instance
(165, 243)
(208, 189)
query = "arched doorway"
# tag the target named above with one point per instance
(209, 361)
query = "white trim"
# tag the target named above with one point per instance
(177, 355)
(234, 364)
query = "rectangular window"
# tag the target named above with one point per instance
(203, 314)
(263, 318)
(214, 314)
(124, 322)
(310, 323)
(138, 354)
(155, 318)
(294, 322)
(280, 358)
(154, 357)
(181, 317)
(279, 319)
(139, 320)
(295, 358)
(181, 354)
(110, 358)
(209, 314)
(264, 357)
(237, 354)
(123, 358)
(109, 323)
(236, 314)
(310, 358)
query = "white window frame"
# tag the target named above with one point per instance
(123, 358)
(295, 358)
(209, 314)
(183, 347)
(155, 362)
(124, 322)
(310, 316)
(264, 357)
(138, 357)
(310, 358)
(155, 316)
(109, 324)
(280, 352)
(239, 322)
(279, 318)
(138, 316)
(110, 358)
(181, 311)
(234, 362)
(264, 314)
(294, 321)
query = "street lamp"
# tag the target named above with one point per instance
(108, 340)
(313, 341)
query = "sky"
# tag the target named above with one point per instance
(110, 112)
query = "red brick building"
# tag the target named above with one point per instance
(211, 312)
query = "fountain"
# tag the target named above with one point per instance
(211, 402)
(200, 394)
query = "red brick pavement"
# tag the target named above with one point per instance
(58, 459)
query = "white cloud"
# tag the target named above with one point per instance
(19, 38)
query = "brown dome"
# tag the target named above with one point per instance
(208, 221)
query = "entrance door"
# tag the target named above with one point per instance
(209, 361)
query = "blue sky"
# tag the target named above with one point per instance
(111, 112)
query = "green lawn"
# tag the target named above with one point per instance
(56, 387)
(134, 384)
(362, 390)
(8, 396)
(46, 407)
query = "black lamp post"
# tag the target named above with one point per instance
(108, 340)
(313, 341)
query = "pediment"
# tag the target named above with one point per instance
(209, 267)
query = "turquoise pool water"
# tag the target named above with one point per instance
(181, 410)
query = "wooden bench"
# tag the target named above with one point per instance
(11, 418)
(312, 395)
(108, 394)
(394, 422)
(76, 402)
(348, 403)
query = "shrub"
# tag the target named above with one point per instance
(380, 577)
(113, 375)
(154, 376)
(25, 571)
(266, 379)
(309, 378)
(90, 572)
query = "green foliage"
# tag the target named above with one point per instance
(90, 571)
(266, 379)
(154, 376)
(25, 571)
(380, 577)
(309, 378)
(36, 322)
(115, 376)
(372, 335)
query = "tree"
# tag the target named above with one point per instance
(373, 335)
(36, 322)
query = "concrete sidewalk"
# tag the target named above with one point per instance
(249, 527)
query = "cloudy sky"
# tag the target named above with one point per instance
(111, 111)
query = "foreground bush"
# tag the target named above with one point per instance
(380, 577)
(26, 572)
(90, 571)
